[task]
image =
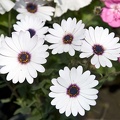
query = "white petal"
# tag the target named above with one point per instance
(16, 79)
(62, 102)
(71, 51)
(85, 55)
(79, 107)
(86, 47)
(32, 71)
(65, 75)
(94, 59)
(38, 67)
(73, 74)
(90, 85)
(83, 103)
(89, 91)
(62, 82)
(59, 89)
(13, 71)
(74, 108)
(68, 108)
(84, 77)
(102, 61)
(56, 99)
(52, 39)
(89, 96)
(7, 4)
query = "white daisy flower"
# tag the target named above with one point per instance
(101, 45)
(67, 37)
(21, 57)
(63, 5)
(6, 5)
(73, 91)
(33, 25)
(35, 8)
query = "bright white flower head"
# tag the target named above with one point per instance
(21, 57)
(33, 25)
(101, 45)
(6, 5)
(35, 8)
(73, 91)
(67, 37)
(63, 5)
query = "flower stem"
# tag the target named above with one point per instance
(9, 23)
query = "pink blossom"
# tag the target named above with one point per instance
(111, 13)
(119, 59)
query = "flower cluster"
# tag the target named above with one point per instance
(111, 13)
(23, 54)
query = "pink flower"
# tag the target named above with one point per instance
(119, 59)
(111, 13)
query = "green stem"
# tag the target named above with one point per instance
(9, 23)
(104, 79)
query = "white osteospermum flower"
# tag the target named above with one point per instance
(63, 5)
(102, 45)
(34, 8)
(33, 25)
(21, 57)
(73, 91)
(6, 5)
(67, 37)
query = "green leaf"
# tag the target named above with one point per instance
(7, 100)
(23, 110)
(35, 117)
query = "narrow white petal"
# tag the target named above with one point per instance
(102, 61)
(59, 89)
(73, 74)
(68, 108)
(74, 108)
(80, 108)
(13, 71)
(62, 102)
(83, 103)
(89, 96)
(16, 79)
(84, 77)
(89, 91)
(63, 82)
(31, 70)
(85, 55)
(94, 59)
(71, 51)
(90, 85)
(38, 67)
(56, 99)
(65, 75)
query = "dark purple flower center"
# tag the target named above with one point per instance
(24, 57)
(67, 39)
(98, 49)
(32, 32)
(31, 7)
(73, 90)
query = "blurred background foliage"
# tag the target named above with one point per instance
(31, 102)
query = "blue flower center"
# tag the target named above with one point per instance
(73, 90)
(67, 39)
(24, 57)
(32, 32)
(31, 7)
(98, 49)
